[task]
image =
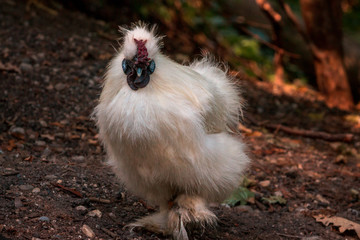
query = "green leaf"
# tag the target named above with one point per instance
(240, 195)
(275, 199)
(247, 182)
(317, 116)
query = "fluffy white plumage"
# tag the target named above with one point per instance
(169, 141)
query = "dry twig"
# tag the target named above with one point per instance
(268, 10)
(110, 233)
(71, 190)
(343, 137)
(288, 236)
(41, 6)
(99, 200)
(10, 173)
(294, 20)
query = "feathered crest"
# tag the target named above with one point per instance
(138, 37)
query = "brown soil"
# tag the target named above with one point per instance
(51, 161)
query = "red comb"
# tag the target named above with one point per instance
(142, 53)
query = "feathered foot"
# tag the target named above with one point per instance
(156, 222)
(188, 210)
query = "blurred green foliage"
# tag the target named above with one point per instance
(274, 200)
(208, 17)
(242, 194)
(239, 196)
(351, 15)
(351, 19)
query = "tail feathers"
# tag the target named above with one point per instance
(188, 210)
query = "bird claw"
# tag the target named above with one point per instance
(132, 226)
(186, 212)
(156, 222)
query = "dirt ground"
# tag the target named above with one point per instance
(53, 180)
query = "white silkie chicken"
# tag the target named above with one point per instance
(165, 128)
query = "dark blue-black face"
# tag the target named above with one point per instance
(138, 73)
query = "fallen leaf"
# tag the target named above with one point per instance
(274, 150)
(265, 183)
(254, 134)
(74, 136)
(9, 67)
(275, 199)
(88, 231)
(285, 192)
(354, 192)
(240, 195)
(322, 199)
(48, 136)
(105, 56)
(82, 118)
(317, 117)
(353, 119)
(337, 146)
(312, 174)
(57, 124)
(270, 151)
(343, 223)
(29, 158)
(11, 145)
(93, 142)
(248, 182)
(291, 143)
(341, 159)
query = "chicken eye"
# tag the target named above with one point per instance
(151, 66)
(126, 66)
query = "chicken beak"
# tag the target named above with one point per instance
(139, 72)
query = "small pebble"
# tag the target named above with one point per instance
(18, 130)
(278, 194)
(43, 123)
(81, 208)
(18, 203)
(26, 187)
(46, 152)
(87, 231)
(95, 213)
(78, 158)
(225, 205)
(41, 55)
(50, 177)
(60, 86)
(50, 87)
(44, 219)
(322, 199)
(36, 190)
(265, 183)
(26, 67)
(40, 37)
(312, 238)
(300, 209)
(40, 143)
(243, 208)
